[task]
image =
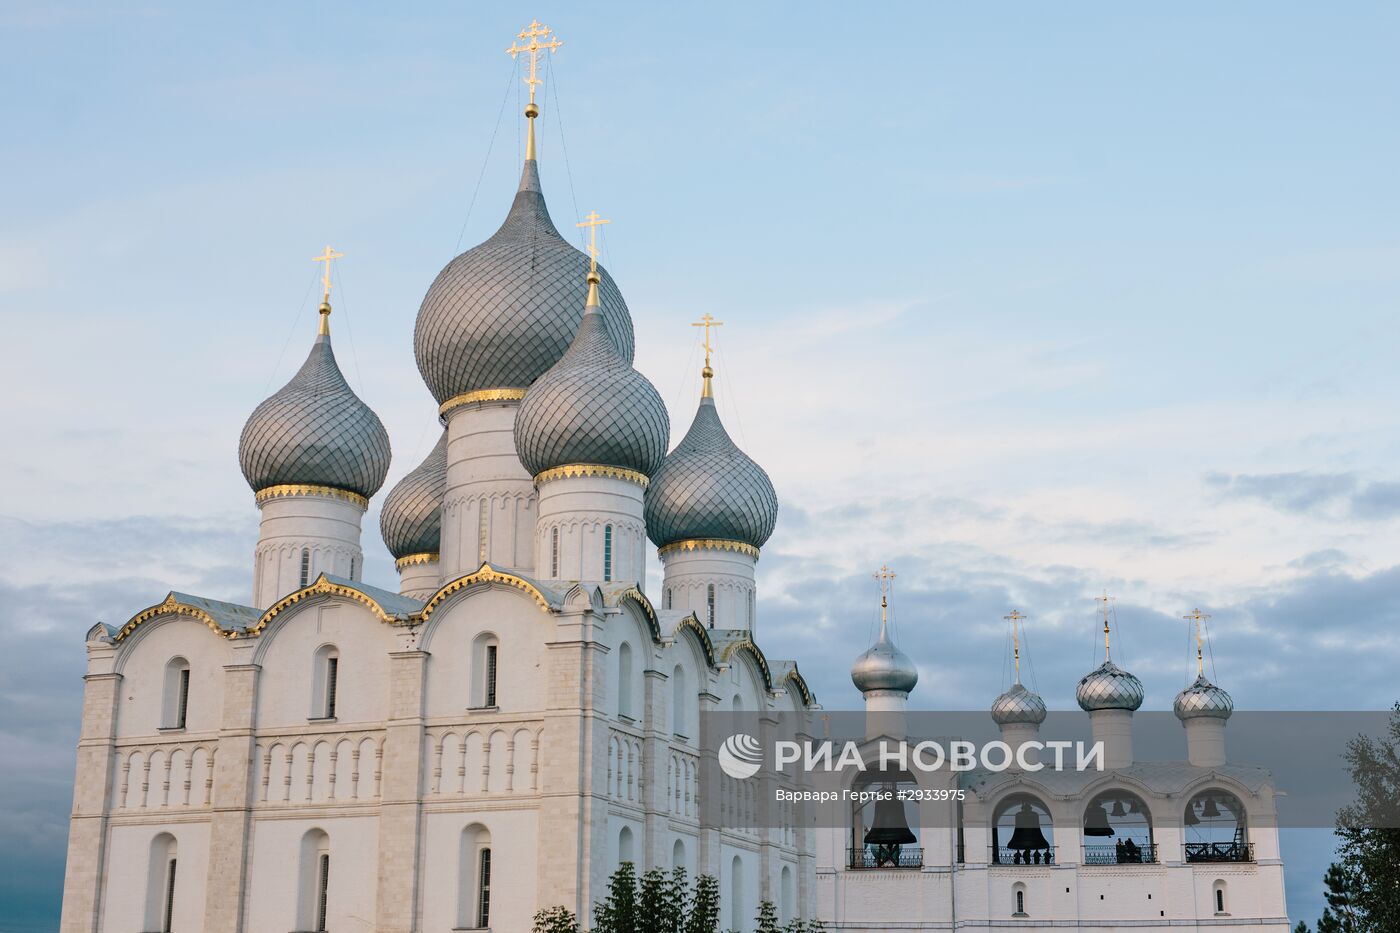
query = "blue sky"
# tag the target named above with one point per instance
(1029, 302)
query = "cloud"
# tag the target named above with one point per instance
(1335, 495)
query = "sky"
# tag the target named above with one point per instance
(1029, 302)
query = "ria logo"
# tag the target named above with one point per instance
(740, 756)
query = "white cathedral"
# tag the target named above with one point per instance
(521, 717)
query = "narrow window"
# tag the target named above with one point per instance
(323, 882)
(352, 569)
(483, 907)
(169, 913)
(751, 607)
(710, 604)
(607, 554)
(624, 680)
(1220, 900)
(183, 708)
(491, 675)
(305, 565)
(483, 517)
(668, 598)
(554, 554)
(1020, 902)
(332, 671)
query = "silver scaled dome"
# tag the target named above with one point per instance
(315, 431)
(592, 407)
(884, 667)
(1018, 705)
(504, 311)
(1109, 687)
(708, 488)
(411, 519)
(1203, 700)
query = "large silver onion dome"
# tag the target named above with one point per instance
(1109, 687)
(708, 488)
(884, 667)
(411, 520)
(503, 312)
(1018, 705)
(592, 407)
(1201, 700)
(315, 431)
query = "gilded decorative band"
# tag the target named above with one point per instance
(408, 560)
(481, 395)
(708, 544)
(290, 490)
(592, 469)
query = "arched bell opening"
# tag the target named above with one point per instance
(1118, 830)
(1022, 832)
(1216, 828)
(885, 822)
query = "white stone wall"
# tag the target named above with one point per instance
(689, 574)
(575, 513)
(489, 505)
(326, 528)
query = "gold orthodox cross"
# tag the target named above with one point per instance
(531, 36)
(593, 222)
(1106, 602)
(1015, 618)
(707, 321)
(326, 258)
(1198, 617)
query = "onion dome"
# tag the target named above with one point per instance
(502, 313)
(1203, 700)
(1109, 687)
(708, 488)
(1018, 705)
(315, 431)
(411, 520)
(592, 407)
(883, 666)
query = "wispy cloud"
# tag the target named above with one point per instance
(1336, 495)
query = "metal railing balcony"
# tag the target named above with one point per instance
(1001, 855)
(885, 857)
(1219, 851)
(1129, 854)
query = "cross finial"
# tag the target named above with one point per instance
(1198, 618)
(886, 577)
(325, 259)
(1015, 617)
(592, 222)
(529, 42)
(708, 322)
(1106, 607)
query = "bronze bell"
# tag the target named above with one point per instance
(1191, 818)
(1027, 835)
(1211, 811)
(889, 827)
(1096, 822)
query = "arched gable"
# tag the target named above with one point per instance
(486, 575)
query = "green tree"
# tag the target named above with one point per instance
(767, 918)
(1302, 927)
(555, 920)
(1370, 832)
(704, 906)
(653, 895)
(617, 913)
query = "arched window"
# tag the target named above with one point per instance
(624, 680)
(1216, 828)
(474, 878)
(485, 665)
(680, 703)
(160, 884)
(678, 854)
(666, 603)
(787, 896)
(353, 569)
(1022, 833)
(607, 553)
(1018, 891)
(175, 702)
(325, 682)
(314, 876)
(1118, 830)
(885, 826)
(305, 566)
(554, 553)
(1220, 896)
(710, 604)
(751, 609)
(738, 916)
(625, 846)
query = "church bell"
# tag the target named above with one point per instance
(1096, 822)
(889, 827)
(1027, 835)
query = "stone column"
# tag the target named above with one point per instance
(765, 812)
(656, 751)
(400, 790)
(707, 858)
(226, 887)
(87, 833)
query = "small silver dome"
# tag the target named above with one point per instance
(1203, 699)
(504, 311)
(592, 407)
(315, 431)
(1109, 687)
(708, 488)
(411, 519)
(884, 667)
(1018, 705)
